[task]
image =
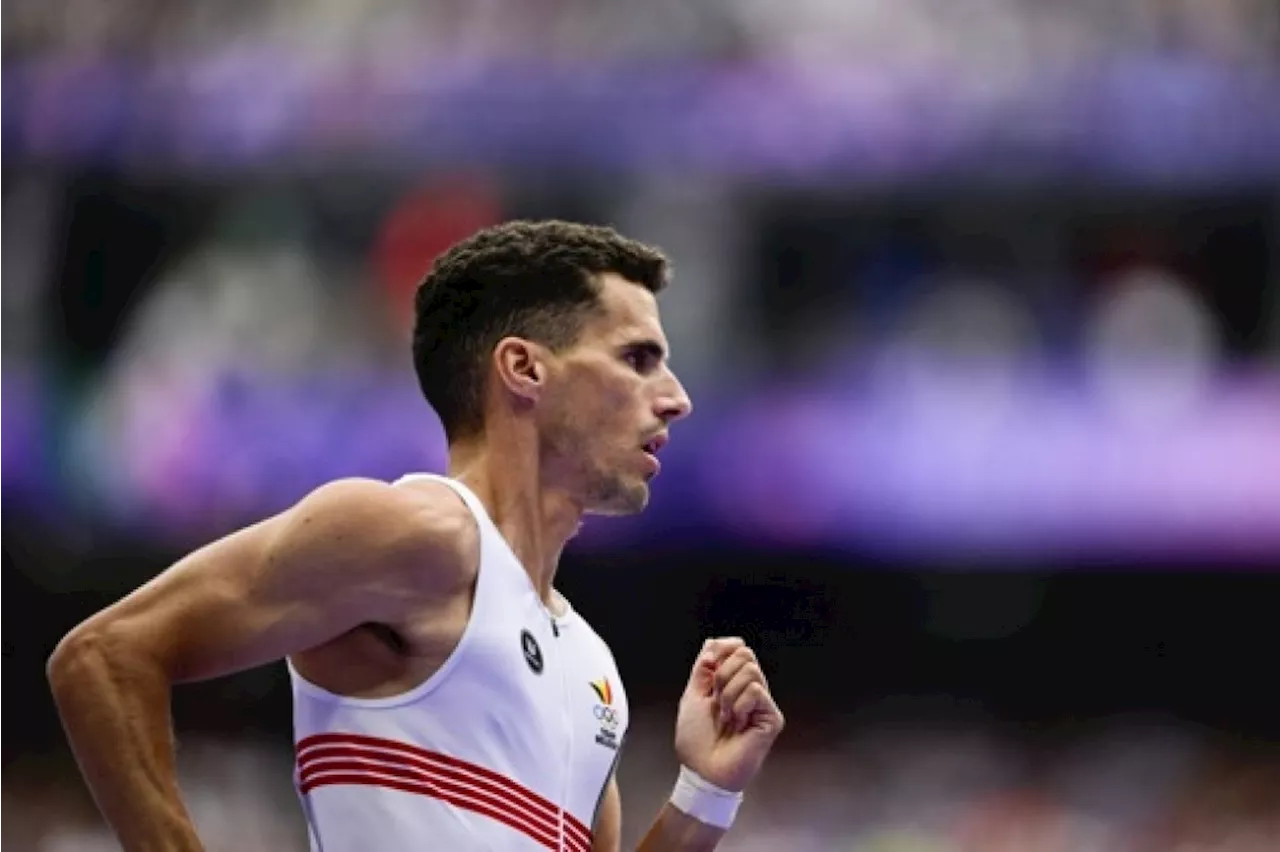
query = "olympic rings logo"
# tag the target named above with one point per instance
(606, 715)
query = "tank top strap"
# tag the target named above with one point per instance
(496, 558)
(468, 496)
(492, 543)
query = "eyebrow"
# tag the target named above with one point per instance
(651, 347)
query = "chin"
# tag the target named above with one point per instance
(622, 499)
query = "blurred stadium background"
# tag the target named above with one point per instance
(979, 303)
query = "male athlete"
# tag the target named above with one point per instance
(445, 695)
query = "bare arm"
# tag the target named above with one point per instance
(606, 834)
(672, 830)
(351, 552)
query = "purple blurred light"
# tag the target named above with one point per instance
(1052, 475)
(1161, 119)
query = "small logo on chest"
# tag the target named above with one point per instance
(606, 714)
(532, 653)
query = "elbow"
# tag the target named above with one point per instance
(79, 653)
(97, 653)
(90, 655)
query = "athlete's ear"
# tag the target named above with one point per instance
(521, 366)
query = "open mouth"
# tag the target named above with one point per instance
(656, 444)
(651, 449)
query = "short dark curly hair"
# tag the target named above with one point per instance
(536, 280)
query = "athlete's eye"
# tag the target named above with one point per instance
(643, 357)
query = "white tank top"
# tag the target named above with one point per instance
(508, 746)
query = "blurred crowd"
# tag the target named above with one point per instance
(274, 320)
(1119, 785)
(991, 37)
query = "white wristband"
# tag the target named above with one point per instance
(704, 801)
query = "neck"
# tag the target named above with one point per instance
(536, 520)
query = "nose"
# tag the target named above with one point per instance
(674, 403)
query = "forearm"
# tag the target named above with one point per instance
(115, 710)
(674, 831)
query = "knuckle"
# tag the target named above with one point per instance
(721, 649)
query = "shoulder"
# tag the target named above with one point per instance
(425, 499)
(423, 512)
(398, 527)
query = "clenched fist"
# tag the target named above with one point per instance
(727, 720)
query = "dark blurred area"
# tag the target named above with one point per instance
(980, 311)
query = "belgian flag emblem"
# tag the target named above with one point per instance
(603, 690)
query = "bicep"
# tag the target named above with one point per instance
(606, 836)
(283, 585)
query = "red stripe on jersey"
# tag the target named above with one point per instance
(326, 759)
